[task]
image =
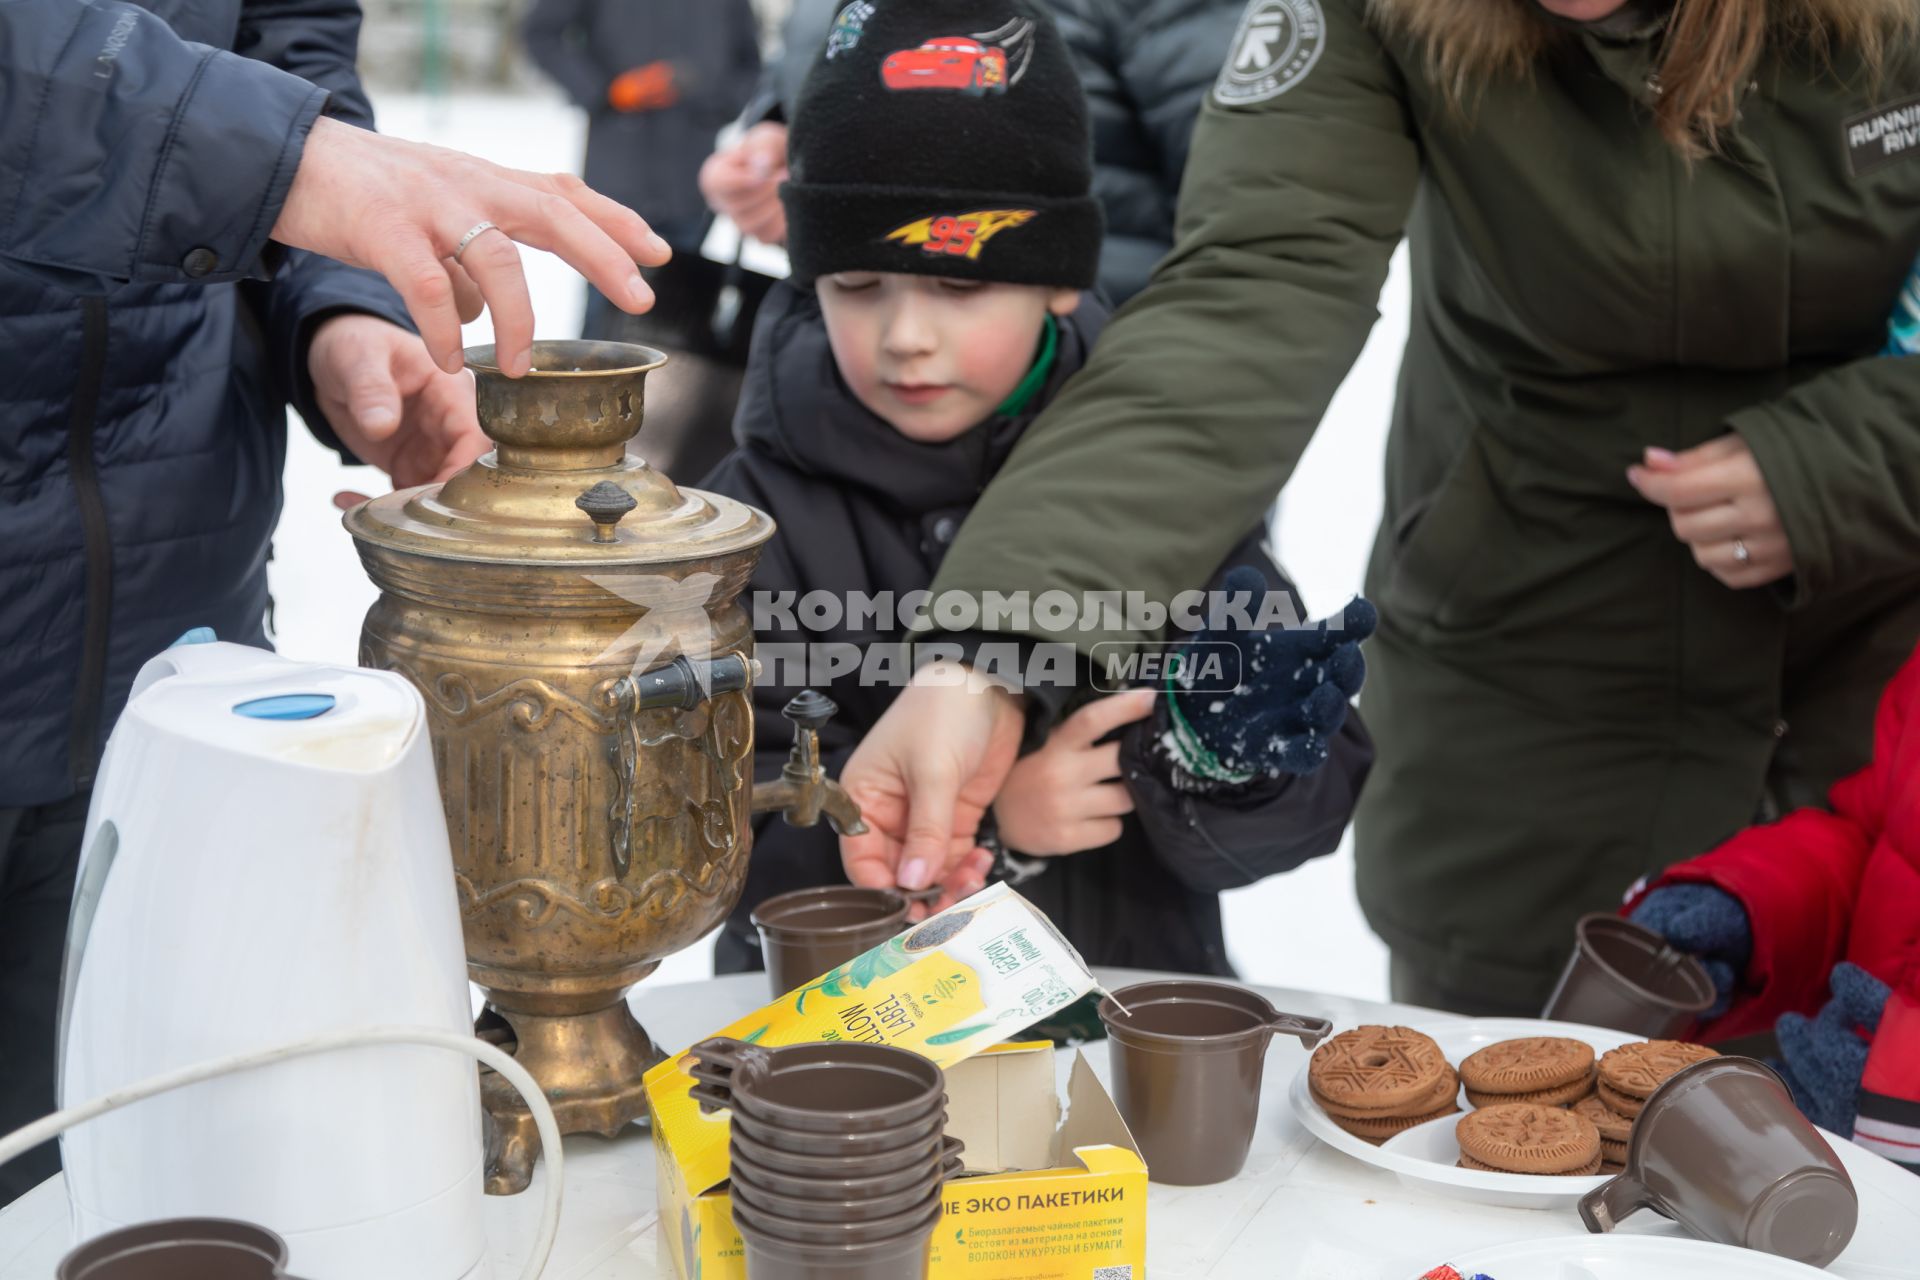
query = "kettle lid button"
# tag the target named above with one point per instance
(287, 706)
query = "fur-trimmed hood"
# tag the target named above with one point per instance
(1467, 39)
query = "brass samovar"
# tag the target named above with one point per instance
(570, 617)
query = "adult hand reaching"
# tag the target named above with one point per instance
(401, 208)
(923, 778)
(742, 182)
(1719, 505)
(389, 404)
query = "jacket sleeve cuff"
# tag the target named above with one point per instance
(224, 171)
(1227, 837)
(1808, 533)
(1889, 1121)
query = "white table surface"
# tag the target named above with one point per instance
(1299, 1210)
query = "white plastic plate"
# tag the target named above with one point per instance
(1426, 1158)
(1623, 1258)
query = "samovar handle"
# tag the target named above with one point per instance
(680, 685)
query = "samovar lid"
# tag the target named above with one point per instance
(560, 487)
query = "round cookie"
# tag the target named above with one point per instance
(1594, 1169)
(1613, 1152)
(1379, 1130)
(1527, 1138)
(1619, 1103)
(1565, 1095)
(1613, 1126)
(1376, 1068)
(1445, 1092)
(1532, 1065)
(1636, 1070)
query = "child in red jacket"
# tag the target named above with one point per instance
(1811, 926)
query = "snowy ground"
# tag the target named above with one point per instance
(1324, 528)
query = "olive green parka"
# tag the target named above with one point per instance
(1563, 700)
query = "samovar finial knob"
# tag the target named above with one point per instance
(606, 503)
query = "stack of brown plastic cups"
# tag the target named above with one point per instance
(838, 1154)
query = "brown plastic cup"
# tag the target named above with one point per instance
(833, 1087)
(1627, 977)
(1721, 1149)
(1187, 1058)
(814, 1188)
(748, 1189)
(935, 1152)
(903, 1258)
(820, 1230)
(811, 931)
(180, 1249)
(875, 1143)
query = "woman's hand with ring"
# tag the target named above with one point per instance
(1719, 505)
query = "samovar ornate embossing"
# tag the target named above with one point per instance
(570, 617)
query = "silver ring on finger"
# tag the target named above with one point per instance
(1740, 552)
(478, 229)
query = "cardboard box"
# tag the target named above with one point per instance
(1055, 1201)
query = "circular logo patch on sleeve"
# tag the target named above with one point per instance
(1277, 45)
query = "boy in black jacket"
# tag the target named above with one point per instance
(941, 229)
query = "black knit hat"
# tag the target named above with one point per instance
(943, 137)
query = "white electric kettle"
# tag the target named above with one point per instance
(265, 860)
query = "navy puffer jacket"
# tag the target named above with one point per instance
(150, 339)
(1146, 65)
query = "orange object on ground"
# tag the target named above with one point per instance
(644, 88)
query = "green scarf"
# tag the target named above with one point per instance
(1036, 378)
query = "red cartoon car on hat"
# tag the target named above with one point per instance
(948, 62)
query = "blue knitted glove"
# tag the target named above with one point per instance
(1826, 1055)
(1711, 923)
(1291, 700)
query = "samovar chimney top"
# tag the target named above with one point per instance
(574, 411)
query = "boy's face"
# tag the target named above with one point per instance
(934, 357)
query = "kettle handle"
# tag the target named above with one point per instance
(196, 658)
(21, 1141)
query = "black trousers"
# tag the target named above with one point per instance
(39, 853)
